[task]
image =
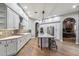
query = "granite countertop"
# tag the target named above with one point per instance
(11, 37)
(24, 33)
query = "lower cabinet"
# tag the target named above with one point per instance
(11, 47)
(2, 48)
(19, 43)
(22, 41)
(8, 47)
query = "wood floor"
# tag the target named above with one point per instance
(71, 40)
(64, 49)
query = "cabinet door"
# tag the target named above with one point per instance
(16, 21)
(26, 38)
(29, 37)
(11, 47)
(10, 19)
(19, 44)
(2, 48)
(3, 16)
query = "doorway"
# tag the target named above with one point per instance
(36, 29)
(69, 30)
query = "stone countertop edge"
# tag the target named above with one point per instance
(14, 36)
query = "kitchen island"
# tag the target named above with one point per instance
(44, 38)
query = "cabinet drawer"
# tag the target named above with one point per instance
(11, 41)
(2, 42)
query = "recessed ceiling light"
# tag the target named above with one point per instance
(74, 6)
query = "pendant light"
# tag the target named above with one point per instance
(43, 12)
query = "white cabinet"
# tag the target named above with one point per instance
(9, 19)
(2, 48)
(3, 16)
(22, 41)
(19, 43)
(16, 21)
(12, 19)
(8, 47)
(11, 47)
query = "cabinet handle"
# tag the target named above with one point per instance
(0, 42)
(5, 45)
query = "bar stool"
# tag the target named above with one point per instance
(53, 43)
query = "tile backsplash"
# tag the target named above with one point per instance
(10, 32)
(6, 33)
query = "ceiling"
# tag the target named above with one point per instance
(34, 10)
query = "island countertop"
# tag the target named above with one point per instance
(46, 35)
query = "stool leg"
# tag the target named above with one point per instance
(49, 43)
(56, 47)
(38, 42)
(41, 43)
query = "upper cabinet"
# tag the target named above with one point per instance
(3, 17)
(12, 19)
(16, 21)
(8, 18)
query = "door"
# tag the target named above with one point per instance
(11, 47)
(2, 48)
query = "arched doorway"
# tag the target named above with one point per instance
(36, 29)
(69, 30)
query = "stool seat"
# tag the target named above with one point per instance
(53, 44)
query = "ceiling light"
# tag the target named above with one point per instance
(74, 6)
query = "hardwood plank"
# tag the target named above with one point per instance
(64, 49)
